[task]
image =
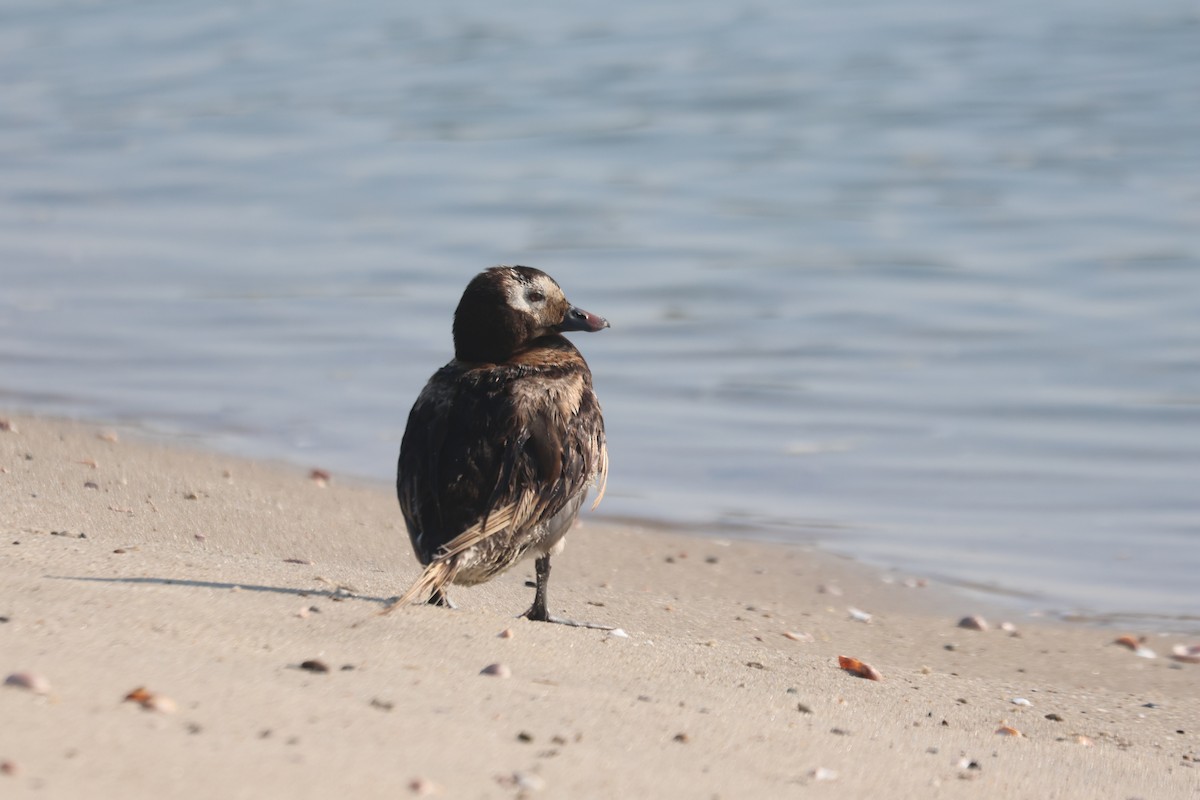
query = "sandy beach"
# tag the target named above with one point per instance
(242, 598)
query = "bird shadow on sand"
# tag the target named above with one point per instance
(337, 594)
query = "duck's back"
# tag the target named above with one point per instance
(523, 439)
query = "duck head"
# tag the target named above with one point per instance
(505, 308)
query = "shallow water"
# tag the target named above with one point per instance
(918, 281)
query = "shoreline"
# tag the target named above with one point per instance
(1000, 599)
(211, 580)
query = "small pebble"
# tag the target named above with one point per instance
(9, 768)
(682, 738)
(1054, 718)
(973, 623)
(525, 737)
(28, 681)
(799, 637)
(1020, 701)
(496, 670)
(507, 633)
(314, 665)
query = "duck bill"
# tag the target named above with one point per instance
(579, 320)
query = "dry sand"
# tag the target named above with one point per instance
(209, 580)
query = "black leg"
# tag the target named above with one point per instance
(538, 613)
(440, 598)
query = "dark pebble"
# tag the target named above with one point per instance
(313, 665)
(525, 736)
(1054, 718)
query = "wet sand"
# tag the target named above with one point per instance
(210, 581)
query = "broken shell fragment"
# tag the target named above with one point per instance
(858, 615)
(496, 670)
(799, 637)
(1188, 654)
(28, 681)
(151, 701)
(1008, 730)
(859, 668)
(423, 787)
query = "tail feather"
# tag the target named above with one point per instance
(436, 575)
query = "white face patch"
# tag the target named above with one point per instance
(531, 298)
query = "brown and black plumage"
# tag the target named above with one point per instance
(504, 441)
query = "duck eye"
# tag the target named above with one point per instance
(535, 296)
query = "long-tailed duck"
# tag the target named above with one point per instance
(504, 441)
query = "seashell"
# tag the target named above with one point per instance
(859, 668)
(799, 637)
(1020, 701)
(1007, 730)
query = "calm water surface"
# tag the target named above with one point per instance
(919, 281)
